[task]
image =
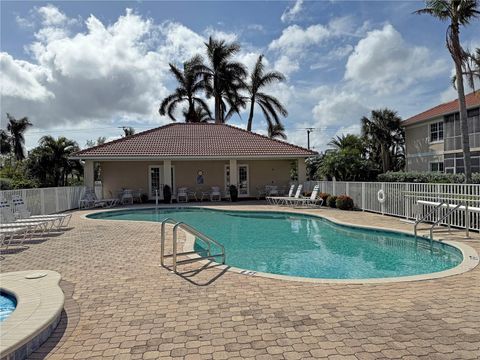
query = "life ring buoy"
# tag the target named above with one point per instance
(381, 196)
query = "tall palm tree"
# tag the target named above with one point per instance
(5, 143)
(276, 131)
(17, 129)
(190, 82)
(385, 138)
(57, 151)
(269, 104)
(458, 13)
(224, 78)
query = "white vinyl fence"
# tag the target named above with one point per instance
(41, 201)
(401, 198)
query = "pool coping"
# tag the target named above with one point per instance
(470, 256)
(40, 303)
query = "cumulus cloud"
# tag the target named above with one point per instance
(384, 62)
(286, 65)
(295, 39)
(292, 13)
(221, 35)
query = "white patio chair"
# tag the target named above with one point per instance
(278, 200)
(288, 200)
(260, 192)
(312, 200)
(182, 195)
(21, 212)
(10, 232)
(215, 194)
(127, 197)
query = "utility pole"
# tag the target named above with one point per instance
(309, 130)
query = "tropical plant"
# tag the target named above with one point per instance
(100, 141)
(276, 131)
(200, 115)
(224, 78)
(270, 105)
(17, 128)
(49, 162)
(128, 131)
(385, 139)
(346, 165)
(348, 141)
(332, 201)
(5, 143)
(458, 13)
(190, 82)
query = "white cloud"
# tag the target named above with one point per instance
(295, 39)
(52, 16)
(340, 52)
(221, 35)
(292, 13)
(23, 80)
(385, 63)
(286, 65)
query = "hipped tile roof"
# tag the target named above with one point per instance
(194, 140)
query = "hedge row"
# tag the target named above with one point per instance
(426, 177)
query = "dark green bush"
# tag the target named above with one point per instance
(426, 177)
(167, 194)
(233, 193)
(344, 202)
(332, 201)
(324, 197)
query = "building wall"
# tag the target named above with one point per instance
(118, 175)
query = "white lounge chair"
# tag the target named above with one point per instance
(21, 212)
(312, 200)
(8, 219)
(215, 194)
(287, 200)
(276, 200)
(10, 232)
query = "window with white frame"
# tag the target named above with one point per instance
(436, 131)
(436, 166)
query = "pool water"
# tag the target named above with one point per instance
(7, 305)
(306, 246)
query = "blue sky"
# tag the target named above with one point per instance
(83, 69)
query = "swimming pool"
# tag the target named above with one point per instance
(304, 245)
(7, 305)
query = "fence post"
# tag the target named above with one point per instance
(42, 200)
(347, 188)
(57, 204)
(363, 196)
(382, 206)
(407, 200)
(69, 199)
(334, 187)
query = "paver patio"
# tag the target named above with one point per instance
(121, 305)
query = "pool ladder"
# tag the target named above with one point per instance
(175, 254)
(451, 208)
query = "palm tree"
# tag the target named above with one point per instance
(200, 114)
(17, 129)
(458, 13)
(57, 152)
(224, 78)
(5, 143)
(269, 104)
(276, 131)
(128, 131)
(190, 82)
(385, 138)
(348, 141)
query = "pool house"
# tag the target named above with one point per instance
(194, 156)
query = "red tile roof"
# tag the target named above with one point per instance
(194, 140)
(472, 99)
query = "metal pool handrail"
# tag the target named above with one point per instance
(195, 233)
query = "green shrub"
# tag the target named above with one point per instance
(426, 177)
(6, 184)
(332, 201)
(324, 197)
(344, 202)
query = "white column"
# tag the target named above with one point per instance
(88, 174)
(302, 171)
(233, 172)
(167, 174)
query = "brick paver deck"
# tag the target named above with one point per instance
(121, 305)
